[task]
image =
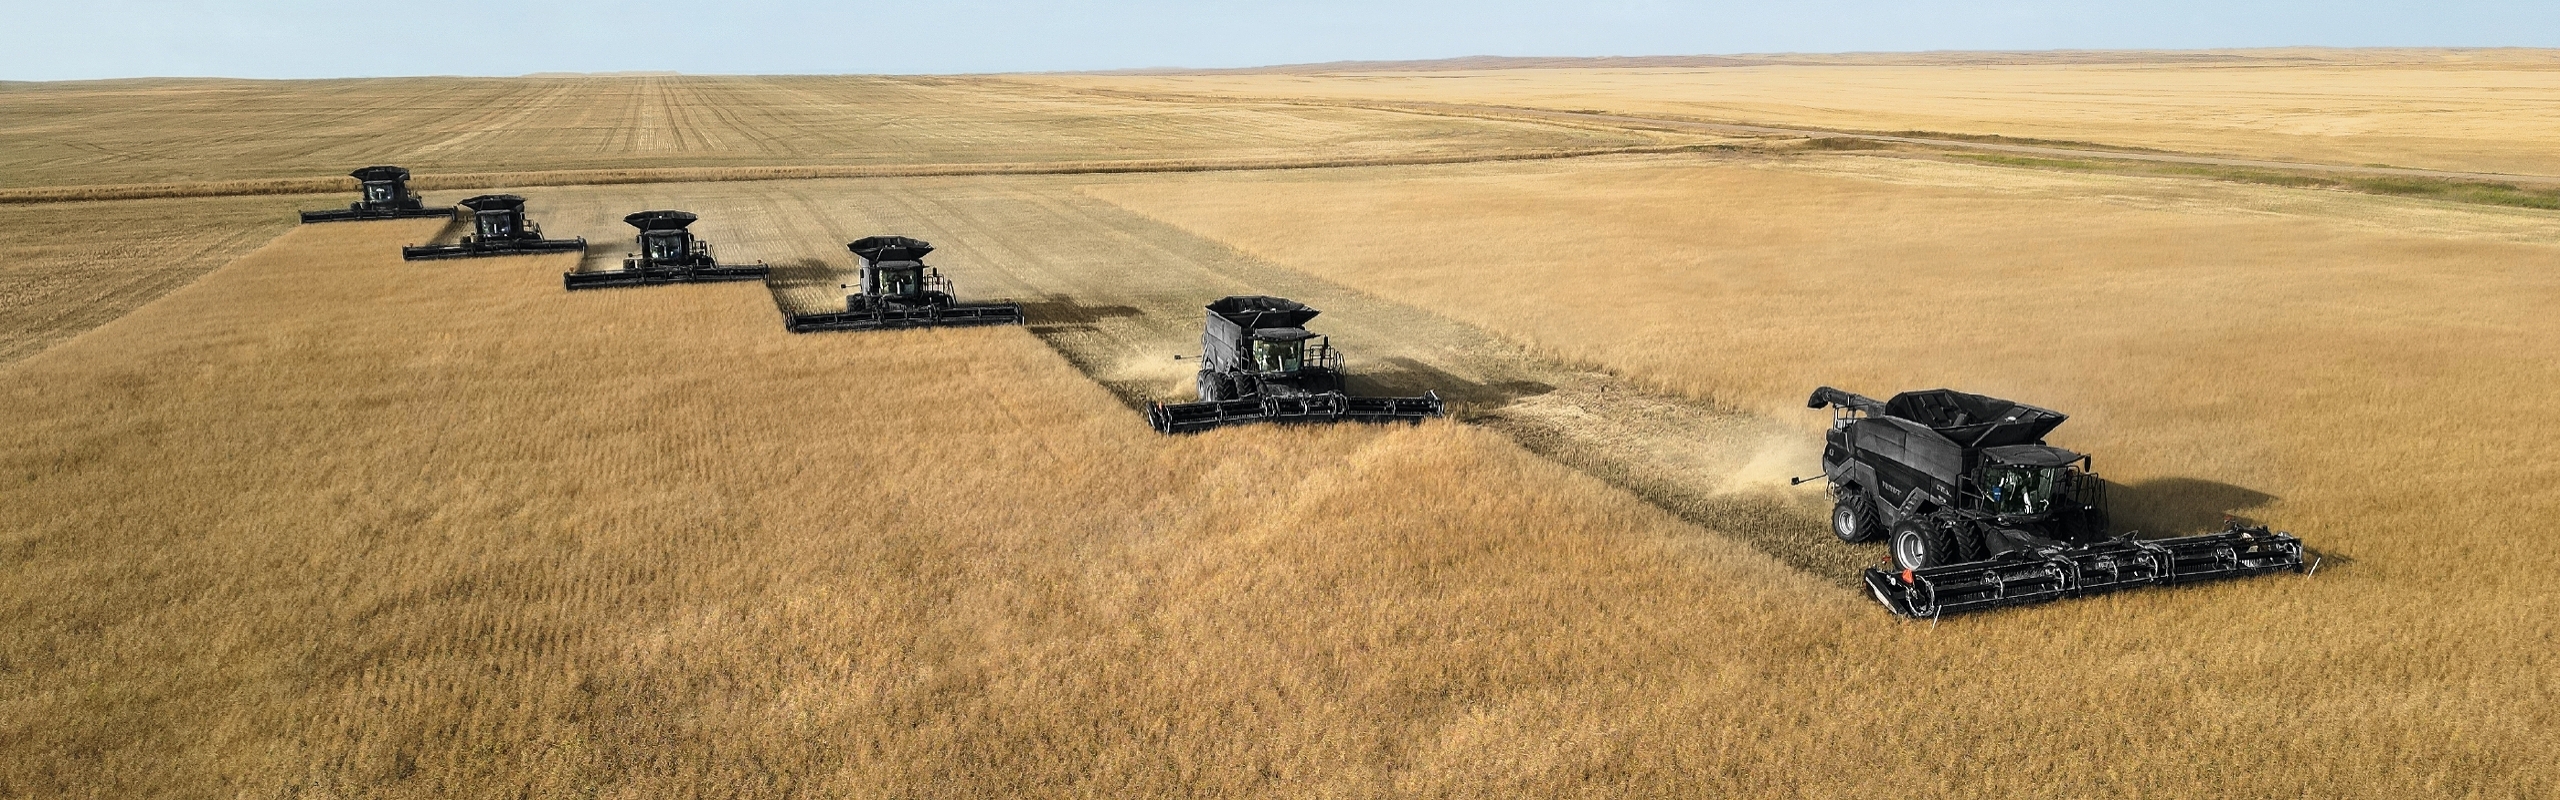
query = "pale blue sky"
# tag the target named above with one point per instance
(351, 38)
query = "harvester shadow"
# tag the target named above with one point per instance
(804, 286)
(1057, 312)
(2180, 506)
(1405, 377)
(1085, 336)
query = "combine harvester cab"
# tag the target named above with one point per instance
(899, 291)
(384, 194)
(499, 228)
(1258, 363)
(1981, 513)
(668, 254)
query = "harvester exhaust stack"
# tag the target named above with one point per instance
(669, 253)
(1981, 513)
(383, 193)
(499, 228)
(1258, 364)
(897, 290)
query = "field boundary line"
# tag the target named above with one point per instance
(602, 177)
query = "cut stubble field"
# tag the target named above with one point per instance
(327, 523)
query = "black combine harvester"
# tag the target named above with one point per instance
(1981, 513)
(498, 229)
(1258, 363)
(668, 254)
(385, 195)
(899, 291)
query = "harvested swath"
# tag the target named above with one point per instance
(70, 267)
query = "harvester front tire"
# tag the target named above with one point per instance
(1918, 544)
(1851, 518)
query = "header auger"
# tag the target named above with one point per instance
(1257, 364)
(1981, 513)
(499, 228)
(383, 193)
(668, 254)
(899, 291)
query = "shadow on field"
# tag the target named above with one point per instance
(1404, 377)
(1057, 312)
(805, 286)
(2180, 506)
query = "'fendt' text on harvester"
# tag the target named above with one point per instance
(1258, 363)
(382, 193)
(899, 291)
(1981, 513)
(668, 254)
(498, 228)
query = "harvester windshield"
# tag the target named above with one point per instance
(2019, 490)
(377, 191)
(496, 225)
(666, 245)
(897, 282)
(1279, 356)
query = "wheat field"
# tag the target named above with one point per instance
(175, 131)
(2486, 111)
(324, 523)
(69, 267)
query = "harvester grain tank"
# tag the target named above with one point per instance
(383, 193)
(1980, 513)
(899, 291)
(669, 253)
(499, 228)
(1258, 363)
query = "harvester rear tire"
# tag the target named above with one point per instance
(1853, 519)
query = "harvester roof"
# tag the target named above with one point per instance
(494, 202)
(1256, 312)
(2030, 455)
(380, 173)
(1974, 420)
(660, 220)
(1282, 334)
(881, 249)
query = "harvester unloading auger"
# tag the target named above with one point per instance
(899, 291)
(668, 254)
(1258, 363)
(383, 193)
(1981, 513)
(498, 229)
